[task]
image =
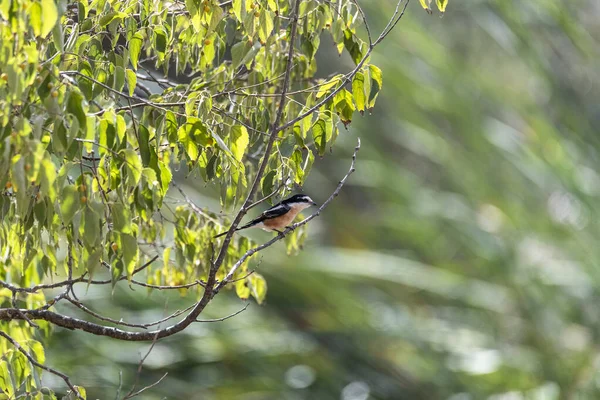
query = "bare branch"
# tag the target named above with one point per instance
(129, 396)
(291, 228)
(224, 318)
(132, 392)
(364, 18)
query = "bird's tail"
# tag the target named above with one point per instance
(248, 225)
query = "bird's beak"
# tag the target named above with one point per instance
(313, 203)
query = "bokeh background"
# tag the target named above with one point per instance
(460, 262)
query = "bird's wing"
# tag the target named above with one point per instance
(275, 211)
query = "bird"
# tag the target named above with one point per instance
(278, 217)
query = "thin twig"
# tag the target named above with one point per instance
(42, 366)
(224, 318)
(291, 228)
(272, 136)
(147, 387)
(131, 393)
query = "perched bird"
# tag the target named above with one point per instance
(278, 217)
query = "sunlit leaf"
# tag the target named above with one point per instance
(319, 133)
(239, 141)
(70, 203)
(259, 287)
(130, 253)
(376, 84)
(135, 46)
(441, 4)
(133, 165)
(131, 80)
(242, 290)
(358, 91)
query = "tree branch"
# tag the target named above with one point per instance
(291, 228)
(42, 366)
(272, 136)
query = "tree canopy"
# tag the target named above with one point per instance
(102, 102)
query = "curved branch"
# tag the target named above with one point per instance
(291, 228)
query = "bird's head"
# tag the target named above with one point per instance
(299, 200)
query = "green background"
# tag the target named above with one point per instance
(459, 262)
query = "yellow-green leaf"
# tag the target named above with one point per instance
(49, 17)
(328, 85)
(259, 287)
(376, 84)
(441, 4)
(130, 253)
(426, 5)
(319, 132)
(241, 289)
(70, 203)
(358, 91)
(135, 46)
(239, 141)
(121, 218)
(266, 26)
(131, 80)
(133, 165)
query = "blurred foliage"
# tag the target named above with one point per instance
(102, 101)
(460, 261)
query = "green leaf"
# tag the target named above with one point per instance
(90, 228)
(121, 218)
(131, 80)
(133, 165)
(358, 91)
(135, 46)
(171, 127)
(93, 258)
(81, 391)
(5, 381)
(241, 289)
(35, 17)
(130, 253)
(344, 106)
(116, 271)
(119, 78)
(146, 151)
(70, 203)
(259, 287)
(319, 132)
(296, 164)
(268, 183)
(327, 86)
(239, 141)
(49, 17)
(239, 10)
(76, 105)
(160, 40)
(241, 53)
(109, 17)
(37, 350)
(266, 26)
(47, 178)
(58, 37)
(376, 84)
(165, 177)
